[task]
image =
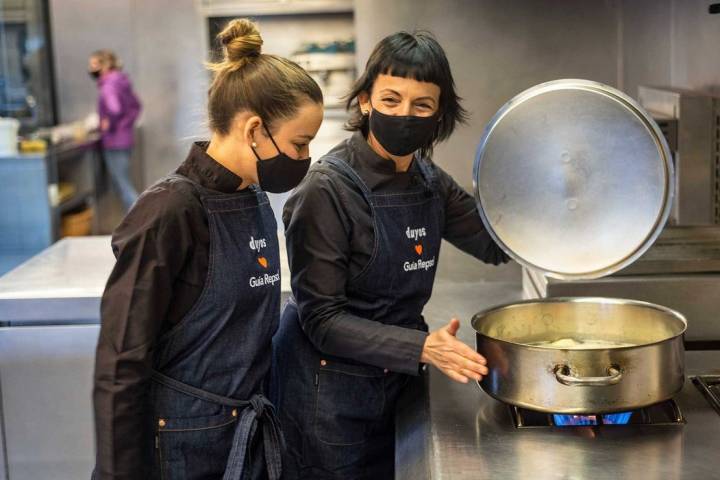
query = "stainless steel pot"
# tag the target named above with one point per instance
(581, 355)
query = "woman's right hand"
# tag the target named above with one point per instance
(451, 356)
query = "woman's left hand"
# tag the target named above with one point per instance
(451, 356)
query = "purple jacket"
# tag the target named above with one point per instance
(118, 107)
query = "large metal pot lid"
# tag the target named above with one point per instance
(573, 178)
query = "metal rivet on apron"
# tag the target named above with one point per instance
(234, 413)
(161, 423)
(323, 363)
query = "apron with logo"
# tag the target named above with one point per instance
(211, 418)
(338, 414)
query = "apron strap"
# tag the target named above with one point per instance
(343, 167)
(427, 172)
(423, 165)
(258, 411)
(181, 387)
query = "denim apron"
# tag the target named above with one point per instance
(338, 414)
(211, 418)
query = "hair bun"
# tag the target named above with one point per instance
(241, 39)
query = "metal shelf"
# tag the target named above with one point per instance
(75, 201)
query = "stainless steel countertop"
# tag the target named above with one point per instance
(452, 431)
(64, 283)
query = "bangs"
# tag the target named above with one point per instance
(411, 56)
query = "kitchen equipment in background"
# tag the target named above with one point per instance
(255, 8)
(27, 86)
(581, 355)
(690, 122)
(332, 65)
(680, 271)
(9, 136)
(709, 386)
(32, 185)
(573, 179)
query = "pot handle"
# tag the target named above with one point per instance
(563, 375)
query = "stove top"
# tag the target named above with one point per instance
(709, 385)
(449, 430)
(664, 413)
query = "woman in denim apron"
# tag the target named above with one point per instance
(193, 301)
(363, 232)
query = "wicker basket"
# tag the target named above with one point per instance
(77, 224)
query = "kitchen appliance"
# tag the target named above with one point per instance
(690, 122)
(581, 355)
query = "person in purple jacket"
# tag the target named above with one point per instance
(118, 108)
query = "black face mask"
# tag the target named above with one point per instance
(94, 74)
(402, 135)
(280, 173)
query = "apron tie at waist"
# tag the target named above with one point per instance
(258, 403)
(262, 414)
(257, 411)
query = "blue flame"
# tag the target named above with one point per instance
(574, 420)
(617, 418)
(582, 420)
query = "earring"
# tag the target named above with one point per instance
(253, 144)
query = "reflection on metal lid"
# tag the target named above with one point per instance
(574, 179)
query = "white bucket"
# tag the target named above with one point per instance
(8, 136)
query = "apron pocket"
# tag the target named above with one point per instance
(350, 399)
(196, 447)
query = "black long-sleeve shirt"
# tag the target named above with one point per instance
(329, 233)
(162, 251)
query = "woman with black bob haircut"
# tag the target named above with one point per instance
(363, 233)
(419, 57)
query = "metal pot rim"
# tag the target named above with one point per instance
(602, 300)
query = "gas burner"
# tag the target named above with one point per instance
(663, 413)
(709, 385)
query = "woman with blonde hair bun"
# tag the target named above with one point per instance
(191, 306)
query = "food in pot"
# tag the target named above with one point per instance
(571, 343)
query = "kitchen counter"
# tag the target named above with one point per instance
(64, 283)
(452, 431)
